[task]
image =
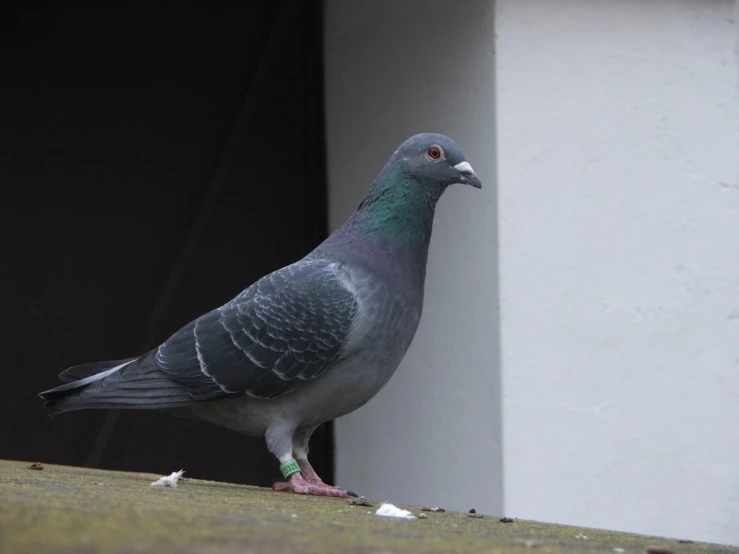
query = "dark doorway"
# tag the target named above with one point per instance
(156, 159)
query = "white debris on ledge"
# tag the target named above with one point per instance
(390, 510)
(170, 480)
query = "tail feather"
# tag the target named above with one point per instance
(135, 383)
(86, 370)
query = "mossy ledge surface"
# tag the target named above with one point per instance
(64, 509)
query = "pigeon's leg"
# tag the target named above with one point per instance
(280, 443)
(301, 439)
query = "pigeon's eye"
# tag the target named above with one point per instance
(434, 153)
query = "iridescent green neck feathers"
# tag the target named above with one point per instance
(398, 212)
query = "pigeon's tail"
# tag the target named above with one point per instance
(135, 383)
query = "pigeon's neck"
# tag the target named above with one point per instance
(389, 233)
(397, 215)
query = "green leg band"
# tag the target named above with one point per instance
(289, 467)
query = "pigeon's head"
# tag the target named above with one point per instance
(435, 160)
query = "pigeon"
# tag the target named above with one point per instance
(307, 343)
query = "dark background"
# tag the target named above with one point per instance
(155, 160)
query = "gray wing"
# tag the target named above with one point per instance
(280, 333)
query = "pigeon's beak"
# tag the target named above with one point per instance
(467, 175)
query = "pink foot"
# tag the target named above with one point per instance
(297, 484)
(309, 474)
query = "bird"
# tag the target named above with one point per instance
(307, 343)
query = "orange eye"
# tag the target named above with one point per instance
(434, 153)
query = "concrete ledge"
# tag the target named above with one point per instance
(64, 509)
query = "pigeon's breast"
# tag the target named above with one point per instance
(388, 314)
(384, 327)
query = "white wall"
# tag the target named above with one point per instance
(619, 230)
(394, 69)
(618, 194)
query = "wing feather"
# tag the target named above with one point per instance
(280, 333)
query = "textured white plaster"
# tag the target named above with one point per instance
(619, 241)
